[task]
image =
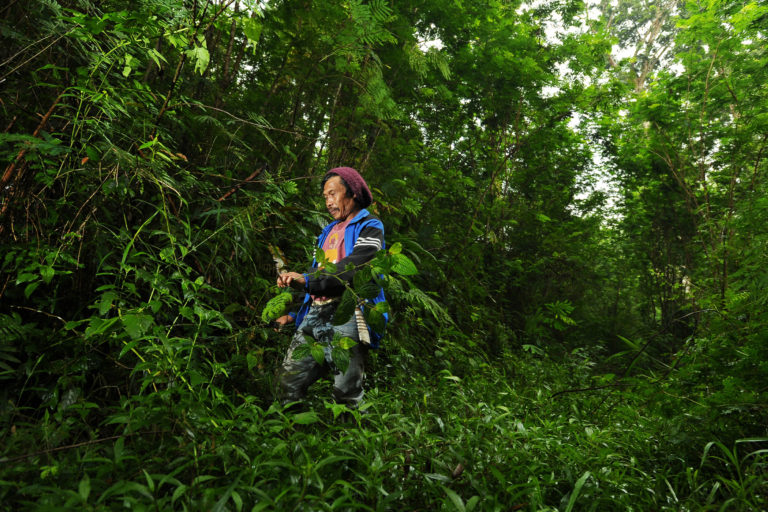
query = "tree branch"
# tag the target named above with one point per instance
(5, 460)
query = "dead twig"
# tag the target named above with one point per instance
(77, 445)
(237, 187)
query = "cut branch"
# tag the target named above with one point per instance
(237, 187)
(9, 170)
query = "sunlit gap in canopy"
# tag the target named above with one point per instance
(597, 177)
(429, 40)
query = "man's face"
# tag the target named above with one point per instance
(336, 200)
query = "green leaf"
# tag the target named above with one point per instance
(105, 304)
(340, 358)
(195, 379)
(336, 409)
(382, 307)
(306, 418)
(437, 477)
(238, 500)
(97, 325)
(126, 348)
(396, 248)
(25, 277)
(403, 265)
(301, 351)
(150, 481)
(201, 57)
(84, 488)
(345, 309)
(346, 342)
(156, 56)
(31, 287)
(136, 324)
(188, 313)
(47, 274)
(178, 492)
(318, 352)
(73, 324)
(252, 30)
(375, 318)
(576, 491)
(455, 499)
(199, 479)
(118, 449)
(252, 361)
(368, 291)
(533, 349)
(362, 277)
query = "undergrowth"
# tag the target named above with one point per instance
(470, 437)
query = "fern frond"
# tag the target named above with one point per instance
(419, 300)
(428, 305)
(438, 60)
(10, 328)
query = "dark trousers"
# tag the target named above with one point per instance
(296, 375)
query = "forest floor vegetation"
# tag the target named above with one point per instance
(475, 435)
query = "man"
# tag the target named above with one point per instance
(354, 236)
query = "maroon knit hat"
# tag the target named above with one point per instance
(356, 183)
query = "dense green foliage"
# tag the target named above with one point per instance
(553, 345)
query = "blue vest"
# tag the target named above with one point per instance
(351, 232)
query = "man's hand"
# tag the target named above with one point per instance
(283, 321)
(292, 279)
